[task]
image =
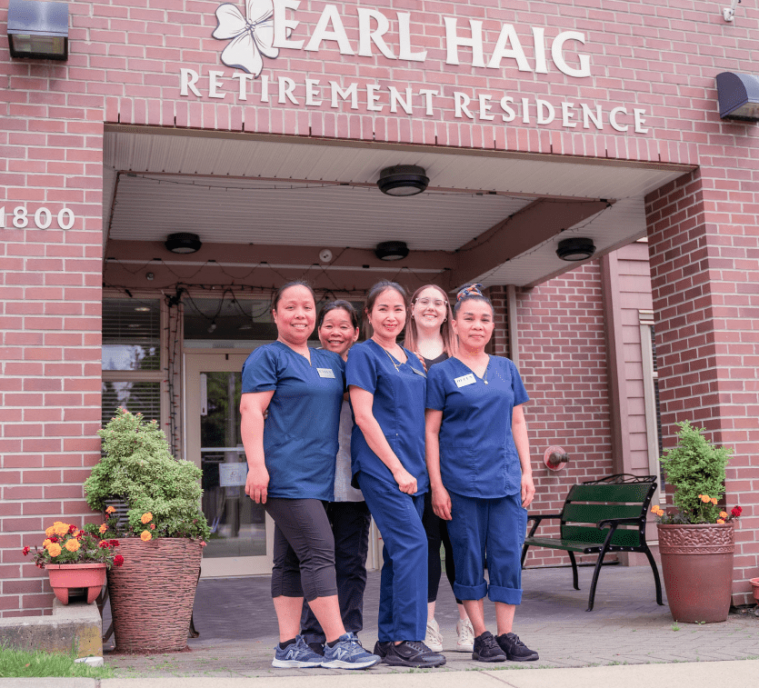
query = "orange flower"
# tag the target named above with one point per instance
(103, 528)
(54, 550)
(50, 531)
(146, 536)
(147, 518)
(110, 510)
(723, 514)
(714, 501)
(61, 528)
(46, 543)
(152, 526)
(705, 499)
(720, 520)
(73, 545)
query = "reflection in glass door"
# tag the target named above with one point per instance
(238, 544)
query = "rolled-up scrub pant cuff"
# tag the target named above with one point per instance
(505, 595)
(470, 592)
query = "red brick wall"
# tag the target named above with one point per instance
(704, 259)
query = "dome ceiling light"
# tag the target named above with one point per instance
(391, 250)
(575, 249)
(183, 242)
(403, 180)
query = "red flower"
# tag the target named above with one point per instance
(737, 511)
(114, 543)
(25, 550)
(72, 528)
(53, 539)
(103, 544)
(118, 560)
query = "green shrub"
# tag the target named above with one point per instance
(696, 468)
(138, 468)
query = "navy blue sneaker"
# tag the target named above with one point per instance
(348, 654)
(296, 655)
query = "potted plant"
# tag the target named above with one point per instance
(76, 560)
(162, 533)
(696, 538)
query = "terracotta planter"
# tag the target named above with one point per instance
(755, 585)
(697, 563)
(86, 579)
(153, 592)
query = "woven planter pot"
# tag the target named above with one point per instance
(697, 562)
(153, 592)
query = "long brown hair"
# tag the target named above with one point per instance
(450, 343)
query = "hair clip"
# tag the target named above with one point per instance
(471, 290)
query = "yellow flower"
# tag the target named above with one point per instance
(723, 514)
(103, 528)
(147, 518)
(705, 499)
(714, 501)
(110, 510)
(54, 550)
(61, 528)
(46, 543)
(50, 531)
(720, 520)
(73, 545)
(146, 536)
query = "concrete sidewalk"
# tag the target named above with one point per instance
(238, 629)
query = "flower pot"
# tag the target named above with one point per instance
(72, 579)
(755, 585)
(153, 592)
(697, 563)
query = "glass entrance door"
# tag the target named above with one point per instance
(240, 529)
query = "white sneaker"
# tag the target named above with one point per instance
(465, 632)
(433, 639)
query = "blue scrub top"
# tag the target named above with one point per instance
(300, 433)
(399, 392)
(478, 457)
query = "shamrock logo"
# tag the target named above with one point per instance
(250, 36)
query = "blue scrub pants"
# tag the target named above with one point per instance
(403, 586)
(496, 526)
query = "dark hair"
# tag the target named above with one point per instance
(374, 292)
(471, 292)
(446, 330)
(285, 287)
(335, 305)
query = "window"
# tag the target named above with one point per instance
(651, 394)
(131, 362)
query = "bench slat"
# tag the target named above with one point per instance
(593, 513)
(635, 492)
(556, 543)
(621, 538)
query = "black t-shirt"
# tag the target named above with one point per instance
(429, 362)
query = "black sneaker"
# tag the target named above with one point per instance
(380, 648)
(515, 649)
(412, 653)
(317, 648)
(486, 649)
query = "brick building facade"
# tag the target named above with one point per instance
(535, 121)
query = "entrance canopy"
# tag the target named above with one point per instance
(273, 204)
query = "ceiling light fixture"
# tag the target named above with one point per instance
(38, 30)
(738, 96)
(575, 249)
(391, 250)
(403, 180)
(183, 242)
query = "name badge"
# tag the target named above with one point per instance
(465, 380)
(326, 372)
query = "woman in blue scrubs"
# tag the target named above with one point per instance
(291, 469)
(478, 457)
(387, 387)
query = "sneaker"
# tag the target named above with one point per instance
(412, 653)
(348, 654)
(433, 639)
(317, 648)
(515, 649)
(486, 649)
(380, 648)
(465, 632)
(296, 655)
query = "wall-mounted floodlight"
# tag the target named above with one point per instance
(738, 96)
(728, 13)
(38, 30)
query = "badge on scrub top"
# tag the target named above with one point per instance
(326, 372)
(465, 380)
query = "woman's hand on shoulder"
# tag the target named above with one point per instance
(422, 361)
(257, 484)
(441, 503)
(406, 481)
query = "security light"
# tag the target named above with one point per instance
(738, 96)
(38, 30)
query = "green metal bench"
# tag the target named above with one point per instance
(590, 523)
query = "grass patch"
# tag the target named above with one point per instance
(25, 664)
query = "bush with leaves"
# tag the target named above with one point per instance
(138, 467)
(696, 469)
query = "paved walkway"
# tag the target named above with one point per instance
(238, 630)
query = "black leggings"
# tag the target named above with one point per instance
(437, 533)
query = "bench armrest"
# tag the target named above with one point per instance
(614, 522)
(538, 518)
